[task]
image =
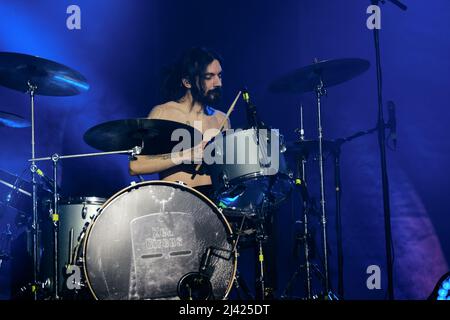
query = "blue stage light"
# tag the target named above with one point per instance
(442, 289)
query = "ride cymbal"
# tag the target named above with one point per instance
(330, 72)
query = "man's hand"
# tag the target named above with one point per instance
(190, 156)
(197, 152)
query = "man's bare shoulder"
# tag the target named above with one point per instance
(163, 110)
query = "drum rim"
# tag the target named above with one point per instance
(82, 200)
(239, 130)
(224, 134)
(258, 175)
(157, 182)
(255, 176)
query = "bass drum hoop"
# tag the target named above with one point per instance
(157, 182)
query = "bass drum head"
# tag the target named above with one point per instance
(149, 236)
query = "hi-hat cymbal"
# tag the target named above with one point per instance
(12, 120)
(331, 72)
(17, 70)
(154, 134)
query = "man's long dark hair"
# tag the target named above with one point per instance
(192, 66)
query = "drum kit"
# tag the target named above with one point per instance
(161, 239)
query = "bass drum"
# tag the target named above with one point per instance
(152, 238)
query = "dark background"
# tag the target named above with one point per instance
(123, 45)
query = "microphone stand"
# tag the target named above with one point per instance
(261, 291)
(382, 144)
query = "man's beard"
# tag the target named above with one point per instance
(211, 98)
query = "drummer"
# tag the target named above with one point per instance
(192, 88)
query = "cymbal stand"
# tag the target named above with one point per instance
(338, 191)
(263, 214)
(321, 91)
(300, 181)
(301, 172)
(55, 219)
(261, 237)
(55, 158)
(35, 223)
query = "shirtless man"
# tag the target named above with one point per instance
(192, 87)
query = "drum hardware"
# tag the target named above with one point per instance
(316, 78)
(302, 150)
(300, 181)
(241, 285)
(54, 209)
(194, 286)
(260, 281)
(37, 76)
(197, 285)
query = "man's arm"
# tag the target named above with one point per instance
(158, 163)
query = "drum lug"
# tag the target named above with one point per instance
(181, 182)
(47, 284)
(225, 179)
(84, 211)
(290, 175)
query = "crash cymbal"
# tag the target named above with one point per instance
(12, 120)
(128, 133)
(331, 72)
(311, 147)
(50, 78)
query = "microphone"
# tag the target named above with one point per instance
(392, 122)
(252, 118)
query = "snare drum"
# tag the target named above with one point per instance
(150, 239)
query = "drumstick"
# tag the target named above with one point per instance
(229, 111)
(222, 125)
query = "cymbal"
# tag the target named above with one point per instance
(50, 78)
(12, 120)
(308, 147)
(331, 72)
(155, 134)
